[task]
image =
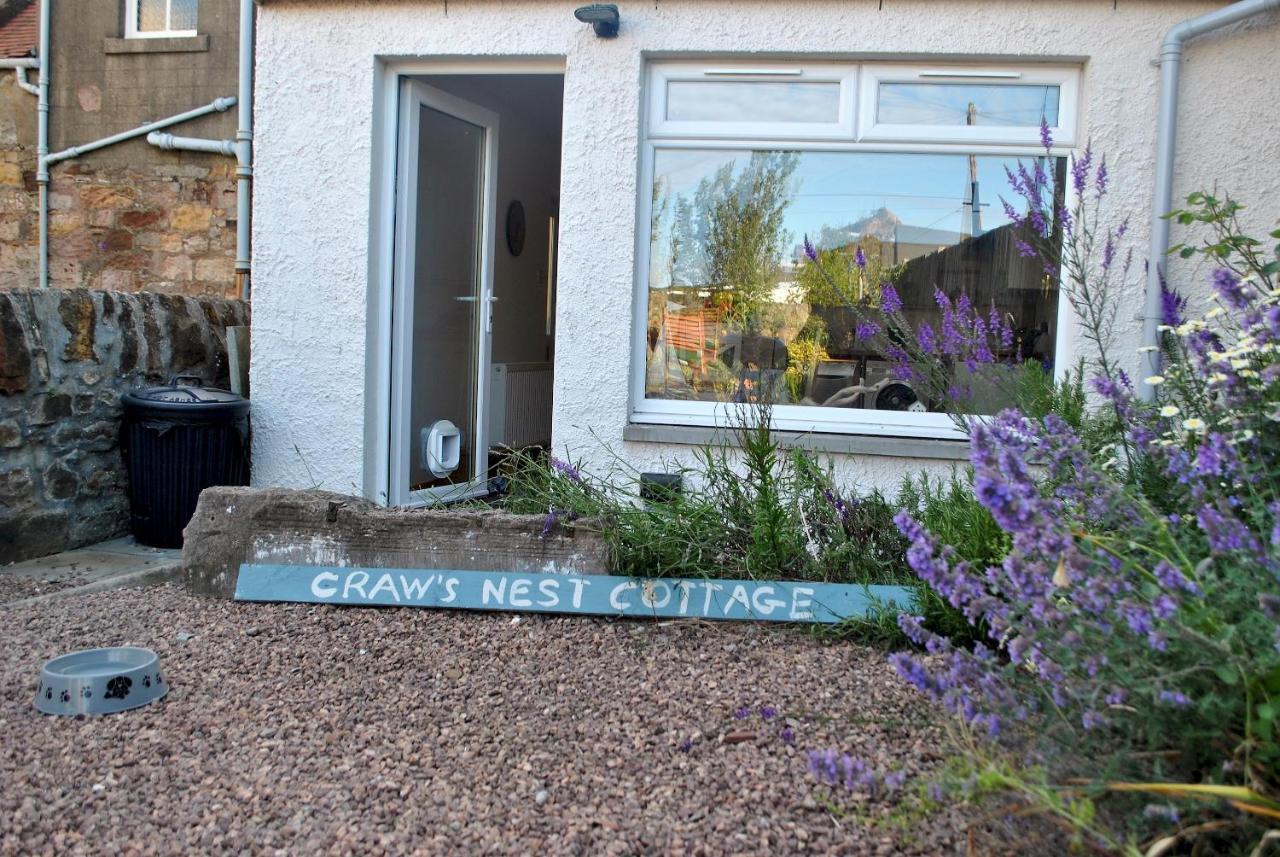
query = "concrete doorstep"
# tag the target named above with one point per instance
(109, 565)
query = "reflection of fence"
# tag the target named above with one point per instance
(990, 270)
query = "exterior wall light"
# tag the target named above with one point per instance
(603, 17)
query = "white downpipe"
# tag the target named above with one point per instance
(241, 148)
(23, 83)
(42, 139)
(1170, 63)
(169, 142)
(244, 149)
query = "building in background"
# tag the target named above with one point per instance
(130, 216)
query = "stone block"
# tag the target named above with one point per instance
(10, 434)
(60, 483)
(37, 534)
(64, 223)
(175, 268)
(117, 280)
(214, 269)
(288, 527)
(11, 175)
(17, 488)
(49, 408)
(83, 403)
(191, 217)
(79, 318)
(92, 437)
(107, 196)
(15, 353)
(140, 219)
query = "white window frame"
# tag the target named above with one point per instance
(661, 74)
(131, 30)
(806, 418)
(1066, 78)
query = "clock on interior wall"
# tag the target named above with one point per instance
(515, 227)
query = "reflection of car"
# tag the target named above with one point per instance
(860, 383)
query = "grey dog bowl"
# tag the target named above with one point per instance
(100, 681)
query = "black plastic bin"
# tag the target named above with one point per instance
(178, 440)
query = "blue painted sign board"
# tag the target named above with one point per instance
(593, 594)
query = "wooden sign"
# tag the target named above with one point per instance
(592, 594)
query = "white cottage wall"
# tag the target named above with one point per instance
(316, 239)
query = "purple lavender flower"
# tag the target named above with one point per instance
(860, 258)
(1175, 697)
(865, 330)
(742, 713)
(1046, 136)
(1100, 178)
(889, 300)
(566, 468)
(809, 250)
(927, 339)
(1229, 288)
(837, 502)
(1172, 305)
(787, 736)
(549, 523)
(768, 712)
(686, 745)
(1079, 167)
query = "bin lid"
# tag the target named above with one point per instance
(181, 397)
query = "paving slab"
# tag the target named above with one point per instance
(108, 565)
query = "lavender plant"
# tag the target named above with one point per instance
(1131, 637)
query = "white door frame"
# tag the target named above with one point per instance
(413, 95)
(389, 74)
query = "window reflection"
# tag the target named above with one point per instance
(1019, 105)
(752, 101)
(737, 312)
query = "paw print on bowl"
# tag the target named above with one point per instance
(64, 697)
(118, 687)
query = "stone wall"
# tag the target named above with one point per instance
(66, 357)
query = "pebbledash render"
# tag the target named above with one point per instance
(481, 223)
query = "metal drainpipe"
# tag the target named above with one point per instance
(244, 149)
(1170, 63)
(42, 139)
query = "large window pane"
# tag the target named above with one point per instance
(737, 312)
(753, 101)
(1010, 105)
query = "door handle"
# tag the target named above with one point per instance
(467, 298)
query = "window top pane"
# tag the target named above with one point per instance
(182, 14)
(753, 101)
(151, 15)
(1006, 105)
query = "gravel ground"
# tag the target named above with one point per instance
(13, 588)
(298, 729)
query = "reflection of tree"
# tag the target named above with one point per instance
(841, 281)
(730, 237)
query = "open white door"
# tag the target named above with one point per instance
(442, 312)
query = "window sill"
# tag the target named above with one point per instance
(177, 45)
(847, 444)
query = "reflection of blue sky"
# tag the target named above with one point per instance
(948, 104)
(753, 101)
(834, 189)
